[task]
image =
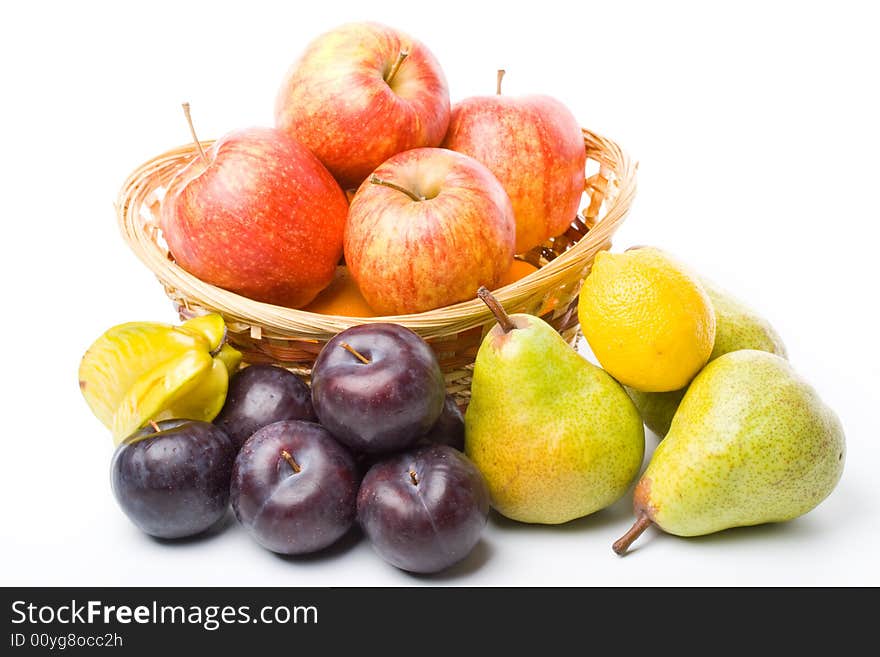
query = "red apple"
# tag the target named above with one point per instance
(259, 215)
(360, 94)
(535, 147)
(427, 229)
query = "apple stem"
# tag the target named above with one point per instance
(498, 79)
(497, 309)
(376, 180)
(293, 464)
(355, 353)
(192, 131)
(403, 54)
(413, 477)
(154, 425)
(622, 544)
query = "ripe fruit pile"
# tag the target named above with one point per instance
(747, 441)
(375, 441)
(297, 486)
(548, 437)
(442, 196)
(557, 438)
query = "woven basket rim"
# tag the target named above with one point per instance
(141, 185)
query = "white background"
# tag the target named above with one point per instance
(756, 126)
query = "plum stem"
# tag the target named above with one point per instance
(497, 309)
(498, 78)
(403, 54)
(192, 131)
(293, 464)
(376, 180)
(355, 353)
(622, 544)
(413, 477)
(155, 426)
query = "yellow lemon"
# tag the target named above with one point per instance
(648, 320)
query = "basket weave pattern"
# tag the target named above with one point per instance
(293, 338)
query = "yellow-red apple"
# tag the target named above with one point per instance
(259, 215)
(535, 148)
(427, 229)
(360, 94)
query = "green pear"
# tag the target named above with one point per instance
(736, 327)
(656, 408)
(752, 443)
(555, 437)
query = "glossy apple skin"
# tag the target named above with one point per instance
(264, 219)
(382, 406)
(449, 427)
(336, 101)
(424, 510)
(292, 512)
(262, 394)
(409, 256)
(535, 147)
(175, 482)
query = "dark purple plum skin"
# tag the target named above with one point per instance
(292, 512)
(449, 427)
(447, 430)
(260, 395)
(175, 482)
(386, 404)
(424, 510)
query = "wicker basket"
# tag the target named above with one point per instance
(293, 338)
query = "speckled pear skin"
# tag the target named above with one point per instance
(656, 408)
(739, 327)
(556, 437)
(736, 327)
(751, 443)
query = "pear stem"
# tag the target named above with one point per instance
(355, 353)
(497, 309)
(403, 54)
(376, 180)
(192, 131)
(155, 426)
(622, 544)
(499, 77)
(413, 477)
(293, 464)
